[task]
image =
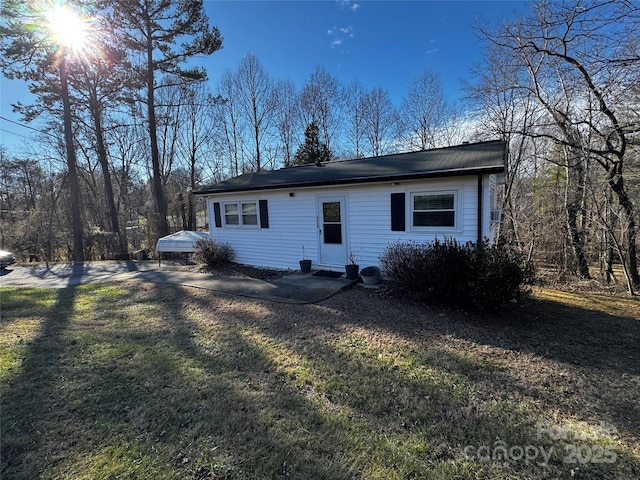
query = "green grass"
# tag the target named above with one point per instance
(151, 381)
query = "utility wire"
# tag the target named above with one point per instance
(50, 134)
(14, 133)
(23, 125)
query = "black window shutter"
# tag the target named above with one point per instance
(397, 212)
(216, 214)
(264, 214)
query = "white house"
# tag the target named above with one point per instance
(357, 206)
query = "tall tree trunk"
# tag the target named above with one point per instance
(191, 212)
(114, 222)
(162, 227)
(256, 132)
(574, 195)
(616, 182)
(72, 164)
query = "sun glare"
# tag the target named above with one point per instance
(68, 29)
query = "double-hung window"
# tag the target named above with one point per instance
(433, 210)
(241, 214)
(249, 213)
(231, 216)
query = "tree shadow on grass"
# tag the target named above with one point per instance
(570, 336)
(214, 386)
(30, 399)
(424, 391)
(549, 329)
(256, 420)
(469, 400)
(171, 398)
(588, 360)
(573, 335)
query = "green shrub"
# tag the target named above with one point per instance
(212, 252)
(482, 276)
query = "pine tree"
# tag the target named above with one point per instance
(166, 35)
(31, 49)
(312, 150)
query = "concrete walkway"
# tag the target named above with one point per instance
(291, 288)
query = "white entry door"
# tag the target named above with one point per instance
(331, 229)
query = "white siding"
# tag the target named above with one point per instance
(370, 216)
(489, 229)
(293, 221)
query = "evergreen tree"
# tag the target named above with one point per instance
(38, 43)
(312, 150)
(166, 35)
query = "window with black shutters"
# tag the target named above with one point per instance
(433, 210)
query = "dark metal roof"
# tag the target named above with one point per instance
(465, 159)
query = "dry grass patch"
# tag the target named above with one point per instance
(144, 381)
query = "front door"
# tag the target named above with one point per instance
(331, 229)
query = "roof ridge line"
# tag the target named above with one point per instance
(464, 144)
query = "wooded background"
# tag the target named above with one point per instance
(561, 84)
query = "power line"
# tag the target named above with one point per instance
(46, 133)
(23, 125)
(14, 133)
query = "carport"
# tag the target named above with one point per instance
(179, 242)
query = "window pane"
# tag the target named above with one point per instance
(231, 220)
(331, 211)
(433, 202)
(250, 219)
(249, 208)
(333, 233)
(249, 213)
(231, 214)
(433, 219)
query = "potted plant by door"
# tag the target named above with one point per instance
(371, 275)
(352, 268)
(305, 263)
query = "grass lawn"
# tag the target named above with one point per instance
(146, 381)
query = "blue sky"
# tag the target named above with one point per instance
(380, 43)
(383, 44)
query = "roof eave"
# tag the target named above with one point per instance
(359, 180)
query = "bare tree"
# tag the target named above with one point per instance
(195, 138)
(423, 112)
(578, 61)
(355, 118)
(500, 111)
(169, 119)
(286, 118)
(35, 200)
(321, 102)
(255, 95)
(128, 148)
(380, 121)
(229, 117)
(456, 128)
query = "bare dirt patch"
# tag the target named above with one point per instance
(233, 270)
